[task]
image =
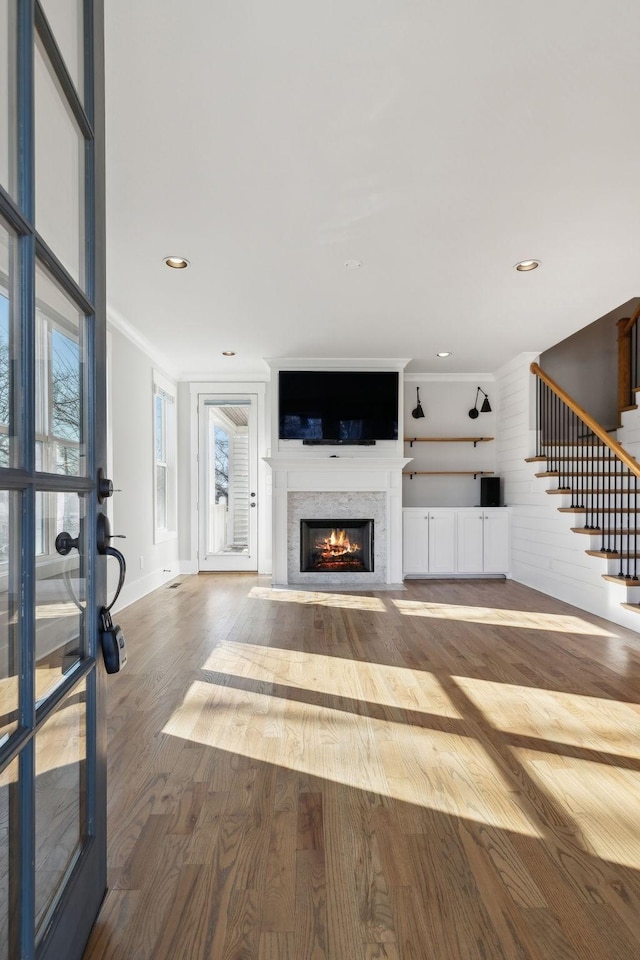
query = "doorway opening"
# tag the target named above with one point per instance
(228, 475)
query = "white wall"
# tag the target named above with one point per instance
(446, 404)
(149, 564)
(545, 554)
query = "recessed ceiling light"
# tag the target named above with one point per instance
(176, 263)
(352, 264)
(228, 353)
(443, 354)
(525, 265)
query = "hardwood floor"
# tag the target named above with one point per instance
(449, 772)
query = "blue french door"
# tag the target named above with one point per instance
(52, 445)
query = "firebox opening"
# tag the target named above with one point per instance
(336, 546)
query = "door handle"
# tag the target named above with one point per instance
(114, 648)
(104, 535)
(65, 543)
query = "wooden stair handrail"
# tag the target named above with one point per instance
(588, 420)
(631, 322)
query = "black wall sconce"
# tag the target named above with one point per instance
(485, 408)
(417, 411)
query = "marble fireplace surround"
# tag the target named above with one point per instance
(331, 488)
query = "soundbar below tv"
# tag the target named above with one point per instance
(338, 406)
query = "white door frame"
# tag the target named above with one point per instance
(226, 559)
(232, 388)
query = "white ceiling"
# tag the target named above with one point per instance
(438, 142)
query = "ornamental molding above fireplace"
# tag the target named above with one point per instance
(313, 488)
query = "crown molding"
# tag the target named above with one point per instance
(414, 377)
(214, 376)
(336, 363)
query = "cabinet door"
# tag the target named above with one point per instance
(415, 543)
(470, 551)
(442, 541)
(496, 541)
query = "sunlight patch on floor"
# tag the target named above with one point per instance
(569, 719)
(319, 598)
(499, 617)
(602, 802)
(440, 771)
(53, 611)
(356, 679)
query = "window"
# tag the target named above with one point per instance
(164, 443)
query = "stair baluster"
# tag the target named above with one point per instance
(600, 474)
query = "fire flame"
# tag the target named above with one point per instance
(338, 545)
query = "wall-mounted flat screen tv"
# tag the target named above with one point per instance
(338, 406)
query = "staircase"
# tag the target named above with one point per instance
(597, 482)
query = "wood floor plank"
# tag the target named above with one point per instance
(279, 902)
(310, 829)
(449, 772)
(311, 902)
(458, 922)
(277, 946)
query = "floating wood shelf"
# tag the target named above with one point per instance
(446, 473)
(473, 440)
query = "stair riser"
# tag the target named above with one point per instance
(614, 568)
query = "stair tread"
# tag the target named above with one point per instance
(568, 491)
(605, 555)
(619, 532)
(571, 475)
(632, 406)
(598, 510)
(566, 459)
(622, 581)
(634, 607)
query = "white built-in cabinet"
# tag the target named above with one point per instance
(429, 540)
(465, 540)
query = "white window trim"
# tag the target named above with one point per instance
(164, 387)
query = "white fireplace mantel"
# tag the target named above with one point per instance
(339, 474)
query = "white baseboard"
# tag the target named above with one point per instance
(131, 592)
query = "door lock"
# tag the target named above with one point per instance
(105, 487)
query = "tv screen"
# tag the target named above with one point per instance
(338, 406)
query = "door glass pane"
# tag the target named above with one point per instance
(59, 170)
(66, 21)
(7, 95)
(60, 797)
(60, 380)
(8, 785)
(60, 589)
(228, 493)
(10, 597)
(10, 393)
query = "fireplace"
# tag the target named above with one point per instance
(336, 546)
